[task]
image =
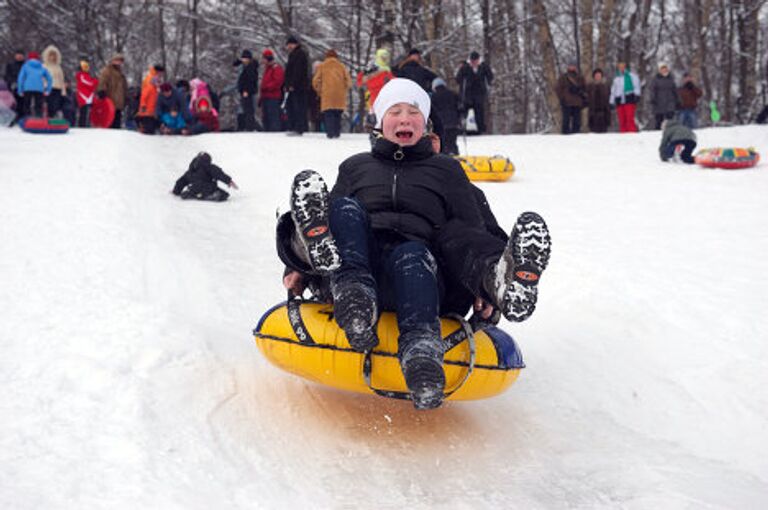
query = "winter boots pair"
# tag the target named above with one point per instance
(511, 283)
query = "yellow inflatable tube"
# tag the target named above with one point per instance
(487, 168)
(302, 338)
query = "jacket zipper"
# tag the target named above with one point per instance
(394, 189)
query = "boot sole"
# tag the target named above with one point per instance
(525, 258)
(425, 379)
(309, 210)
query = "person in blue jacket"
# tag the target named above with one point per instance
(34, 82)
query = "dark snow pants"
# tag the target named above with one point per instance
(571, 119)
(33, 103)
(296, 105)
(270, 115)
(404, 273)
(686, 155)
(332, 120)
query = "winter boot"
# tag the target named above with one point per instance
(422, 362)
(356, 312)
(309, 209)
(513, 279)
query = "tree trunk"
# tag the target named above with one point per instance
(605, 30)
(161, 30)
(587, 59)
(194, 37)
(539, 12)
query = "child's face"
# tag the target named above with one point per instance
(174, 113)
(403, 124)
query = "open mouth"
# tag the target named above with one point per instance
(404, 135)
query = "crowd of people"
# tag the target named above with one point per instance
(294, 98)
(667, 99)
(300, 97)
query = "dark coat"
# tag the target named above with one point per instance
(598, 101)
(166, 104)
(664, 97)
(414, 196)
(416, 72)
(473, 85)
(571, 90)
(201, 176)
(674, 131)
(297, 70)
(445, 104)
(248, 81)
(689, 96)
(12, 70)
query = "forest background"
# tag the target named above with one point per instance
(722, 43)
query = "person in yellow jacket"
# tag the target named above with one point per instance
(332, 82)
(146, 118)
(52, 62)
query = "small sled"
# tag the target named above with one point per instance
(727, 158)
(102, 112)
(487, 168)
(44, 125)
(302, 337)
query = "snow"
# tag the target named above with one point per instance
(131, 378)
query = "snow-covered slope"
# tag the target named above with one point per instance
(130, 378)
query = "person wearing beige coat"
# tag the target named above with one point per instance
(52, 62)
(332, 83)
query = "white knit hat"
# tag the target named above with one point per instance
(401, 90)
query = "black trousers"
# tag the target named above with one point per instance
(118, 120)
(54, 102)
(249, 113)
(571, 119)
(686, 155)
(33, 103)
(448, 142)
(297, 111)
(82, 116)
(332, 119)
(661, 117)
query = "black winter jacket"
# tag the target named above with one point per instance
(297, 70)
(201, 173)
(445, 104)
(408, 190)
(416, 72)
(166, 104)
(248, 81)
(473, 86)
(12, 70)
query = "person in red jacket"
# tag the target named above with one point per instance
(86, 88)
(271, 92)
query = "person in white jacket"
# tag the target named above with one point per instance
(625, 94)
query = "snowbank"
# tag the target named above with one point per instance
(131, 379)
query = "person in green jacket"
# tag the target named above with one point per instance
(676, 134)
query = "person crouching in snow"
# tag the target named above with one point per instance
(172, 123)
(200, 181)
(401, 222)
(676, 134)
(206, 119)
